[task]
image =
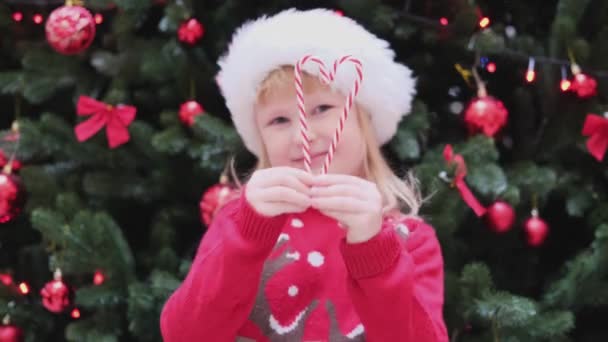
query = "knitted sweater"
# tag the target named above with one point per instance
(293, 277)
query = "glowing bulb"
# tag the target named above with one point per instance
(98, 18)
(444, 21)
(75, 313)
(6, 279)
(530, 74)
(98, 278)
(24, 288)
(491, 67)
(37, 18)
(17, 16)
(565, 83)
(484, 22)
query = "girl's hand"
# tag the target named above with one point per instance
(278, 190)
(354, 202)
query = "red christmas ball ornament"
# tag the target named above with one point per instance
(98, 278)
(6, 279)
(188, 111)
(10, 332)
(15, 164)
(190, 31)
(56, 295)
(485, 114)
(12, 196)
(500, 216)
(536, 230)
(214, 198)
(584, 85)
(70, 29)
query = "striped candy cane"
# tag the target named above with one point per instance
(326, 78)
(300, 99)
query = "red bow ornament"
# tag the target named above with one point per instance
(461, 172)
(115, 118)
(596, 127)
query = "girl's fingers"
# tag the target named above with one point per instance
(284, 195)
(340, 204)
(345, 190)
(331, 179)
(294, 178)
(282, 208)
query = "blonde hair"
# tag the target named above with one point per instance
(400, 195)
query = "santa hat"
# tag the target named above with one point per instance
(260, 46)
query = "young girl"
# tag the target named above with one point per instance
(303, 256)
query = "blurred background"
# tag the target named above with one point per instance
(115, 141)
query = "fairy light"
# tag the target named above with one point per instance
(491, 67)
(17, 16)
(98, 278)
(75, 313)
(444, 21)
(24, 288)
(531, 73)
(484, 22)
(98, 18)
(338, 12)
(565, 83)
(37, 18)
(483, 61)
(6, 279)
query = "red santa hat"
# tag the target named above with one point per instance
(260, 46)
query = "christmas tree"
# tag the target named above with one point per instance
(115, 139)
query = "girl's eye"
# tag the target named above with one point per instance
(322, 108)
(278, 120)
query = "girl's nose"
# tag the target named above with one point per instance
(297, 135)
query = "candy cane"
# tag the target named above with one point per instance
(347, 106)
(326, 78)
(300, 99)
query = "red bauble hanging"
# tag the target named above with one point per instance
(4, 159)
(583, 85)
(10, 332)
(485, 114)
(188, 111)
(56, 295)
(214, 198)
(500, 216)
(70, 29)
(12, 196)
(536, 230)
(190, 31)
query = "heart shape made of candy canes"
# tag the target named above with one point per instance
(326, 78)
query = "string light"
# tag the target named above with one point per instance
(338, 12)
(530, 73)
(24, 288)
(37, 18)
(6, 279)
(17, 16)
(491, 67)
(484, 22)
(75, 313)
(444, 21)
(98, 278)
(98, 18)
(565, 83)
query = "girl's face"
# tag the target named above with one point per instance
(277, 120)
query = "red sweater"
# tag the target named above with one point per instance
(294, 278)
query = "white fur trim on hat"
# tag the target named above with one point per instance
(265, 44)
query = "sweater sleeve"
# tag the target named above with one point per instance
(397, 286)
(218, 294)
